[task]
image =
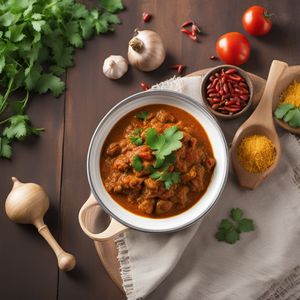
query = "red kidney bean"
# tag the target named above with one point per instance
(244, 97)
(212, 90)
(231, 71)
(227, 91)
(215, 82)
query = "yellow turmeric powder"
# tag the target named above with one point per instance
(291, 95)
(256, 153)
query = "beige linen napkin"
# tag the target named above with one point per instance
(192, 264)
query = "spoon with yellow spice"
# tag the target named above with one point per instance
(256, 150)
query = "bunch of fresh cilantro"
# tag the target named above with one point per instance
(37, 42)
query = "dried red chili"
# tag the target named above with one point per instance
(189, 34)
(146, 17)
(144, 86)
(187, 23)
(213, 57)
(178, 67)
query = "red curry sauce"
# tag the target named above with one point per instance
(137, 190)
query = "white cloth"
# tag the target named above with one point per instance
(192, 264)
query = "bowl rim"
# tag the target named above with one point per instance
(119, 105)
(244, 74)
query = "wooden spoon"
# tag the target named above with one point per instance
(27, 203)
(260, 122)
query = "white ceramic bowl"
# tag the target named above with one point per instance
(214, 189)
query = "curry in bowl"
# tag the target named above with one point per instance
(157, 161)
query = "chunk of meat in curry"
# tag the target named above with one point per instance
(194, 162)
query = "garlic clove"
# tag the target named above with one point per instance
(115, 66)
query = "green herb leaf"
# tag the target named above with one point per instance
(229, 231)
(282, 109)
(50, 82)
(289, 116)
(137, 163)
(154, 140)
(5, 148)
(138, 131)
(236, 214)
(136, 140)
(112, 6)
(231, 236)
(295, 120)
(226, 224)
(142, 115)
(245, 225)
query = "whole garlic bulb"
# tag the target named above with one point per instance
(115, 66)
(146, 50)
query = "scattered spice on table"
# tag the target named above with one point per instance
(193, 33)
(144, 86)
(256, 153)
(227, 92)
(288, 109)
(178, 67)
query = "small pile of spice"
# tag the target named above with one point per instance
(291, 95)
(256, 153)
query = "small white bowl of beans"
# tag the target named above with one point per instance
(227, 91)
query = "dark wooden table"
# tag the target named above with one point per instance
(57, 159)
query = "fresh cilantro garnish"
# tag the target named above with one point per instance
(137, 163)
(37, 43)
(137, 131)
(142, 115)
(164, 144)
(135, 138)
(169, 178)
(229, 229)
(289, 113)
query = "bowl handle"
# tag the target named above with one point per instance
(85, 214)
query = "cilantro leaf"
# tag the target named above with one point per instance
(282, 109)
(172, 142)
(169, 178)
(154, 140)
(52, 83)
(245, 225)
(142, 115)
(136, 140)
(112, 6)
(19, 128)
(137, 163)
(231, 236)
(236, 214)
(5, 148)
(229, 230)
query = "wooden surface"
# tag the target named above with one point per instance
(57, 159)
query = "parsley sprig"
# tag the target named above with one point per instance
(229, 230)
(37, 42)
(135, 138)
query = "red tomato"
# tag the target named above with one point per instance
(233, 48)
(256, 20)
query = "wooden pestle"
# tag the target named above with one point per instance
(27, 203)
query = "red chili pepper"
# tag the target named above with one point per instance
(213, 57)
(146, 17)
(178, 67)
(186, 23)
(189, 34)
(144, 86)
(195, 29)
